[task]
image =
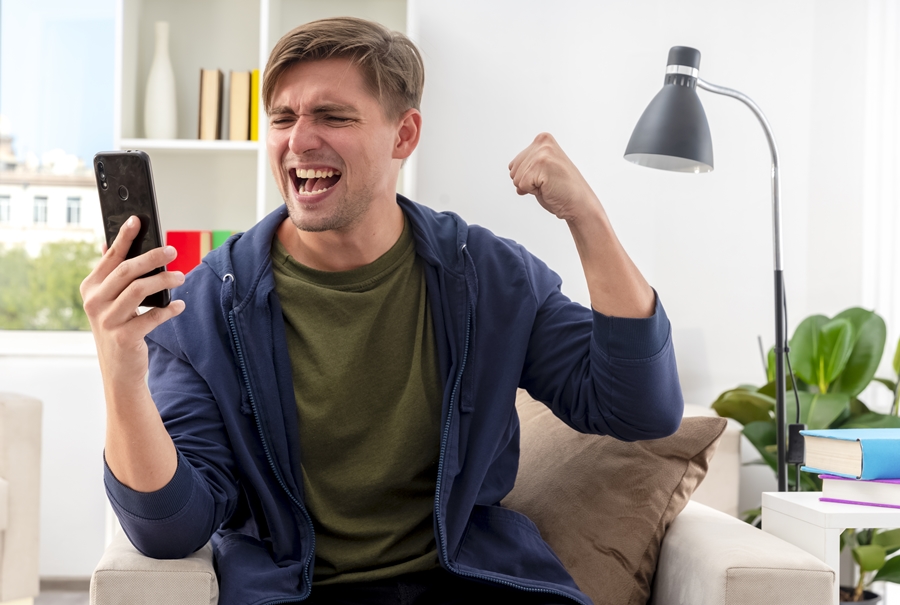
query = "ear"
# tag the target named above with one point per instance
(409, 126)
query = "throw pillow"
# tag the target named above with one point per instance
(602, 504)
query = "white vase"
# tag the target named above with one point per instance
(160, 119)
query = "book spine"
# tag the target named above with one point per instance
(254, 105)
(192, 246)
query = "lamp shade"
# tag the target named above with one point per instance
(673, 133)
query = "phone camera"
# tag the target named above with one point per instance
(123, 193)
(100, 167)
(103, 185)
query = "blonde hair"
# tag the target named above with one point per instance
(390, 63)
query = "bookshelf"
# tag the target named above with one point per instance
(211, 184)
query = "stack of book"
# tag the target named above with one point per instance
(192, 246)
(242, 108)
(857, 466)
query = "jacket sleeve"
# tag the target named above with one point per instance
(180, 518)
(604, 375)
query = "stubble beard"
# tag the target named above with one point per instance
(347, 212)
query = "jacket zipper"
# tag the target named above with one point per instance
(271, 460)
(437, 495)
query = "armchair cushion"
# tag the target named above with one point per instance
(604, 505)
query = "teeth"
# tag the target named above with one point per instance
(314, 192)
(316, 174)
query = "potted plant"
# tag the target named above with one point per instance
(831, 361)
(870, 550)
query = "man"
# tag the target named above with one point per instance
(331, 394)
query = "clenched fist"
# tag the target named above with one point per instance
(545, 171)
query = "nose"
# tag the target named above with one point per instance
(303, 136)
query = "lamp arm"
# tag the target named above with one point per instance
(780, 340)
(773, 148)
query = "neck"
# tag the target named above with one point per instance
(357, 246)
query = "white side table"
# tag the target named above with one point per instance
(803, 520)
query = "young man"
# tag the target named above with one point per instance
(331, 394)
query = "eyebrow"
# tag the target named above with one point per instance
(319, 109)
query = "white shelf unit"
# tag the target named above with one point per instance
(212, 184)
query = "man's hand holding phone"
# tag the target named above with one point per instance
(138, 450)
(112, 293)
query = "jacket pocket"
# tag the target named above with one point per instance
(501, 544)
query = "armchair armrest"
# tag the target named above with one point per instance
(708, 558)
(126, 577)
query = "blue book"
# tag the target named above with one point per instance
(853, 453)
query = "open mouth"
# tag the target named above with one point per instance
(313, 182)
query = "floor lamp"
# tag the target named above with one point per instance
(673, 134)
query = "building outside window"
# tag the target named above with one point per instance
(40, 210)
(73, 210)
(51, 230)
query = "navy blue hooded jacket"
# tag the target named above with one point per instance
(221, 377)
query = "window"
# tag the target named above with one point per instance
(56, 97)
(40, 210)
(73, 210)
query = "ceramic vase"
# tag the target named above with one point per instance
(160, 120)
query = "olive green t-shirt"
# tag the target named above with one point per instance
(368, 396)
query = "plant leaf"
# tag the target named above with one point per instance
(848, 537)
(896, 364)
(819, 411)
(770, 364)
(804, 348)
(890, 384)
(869, 557)
(768, 389)
(744, 406)
(858, 408)
(872, 420)
(890, 571)
(867, 349)
(762, 436)
(889, 539)
(835, 346)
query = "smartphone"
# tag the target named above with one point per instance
(125, 185)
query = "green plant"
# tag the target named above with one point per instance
(870, 548)
(833, 361)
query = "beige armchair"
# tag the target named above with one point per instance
(20, 474)
(706, 558)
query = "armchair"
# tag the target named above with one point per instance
(706, 558)
(20, 473)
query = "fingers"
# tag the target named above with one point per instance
(122, 307)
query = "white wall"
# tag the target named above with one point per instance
(500, 72)
(61, 370)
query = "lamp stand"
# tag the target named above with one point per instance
(780, 419)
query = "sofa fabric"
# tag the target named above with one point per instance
(20, 471)
(602, 504)
(709, 557)
(126, 577)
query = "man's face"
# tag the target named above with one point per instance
(330, 145)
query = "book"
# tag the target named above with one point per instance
(192, 246)
(877, 492)
(854, 453)
(219, 237)
(210, 118)
(254, 105)
(239, 101)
